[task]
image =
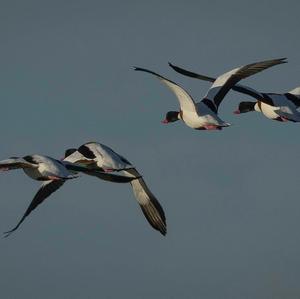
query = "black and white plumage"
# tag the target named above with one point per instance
(90, 168)
(204, 114)
(276, 106)
(93, 154)
(53, 173)
(42, 168)
(38, 167)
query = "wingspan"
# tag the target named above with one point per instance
(226, 81)
(150, 206)
(238, 87)
(185, 100)
(45, 191)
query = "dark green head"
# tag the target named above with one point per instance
(171, 117)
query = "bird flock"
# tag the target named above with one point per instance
(98, 160)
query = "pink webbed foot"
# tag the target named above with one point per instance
(53, 178)
(108, 169)
(212, 127)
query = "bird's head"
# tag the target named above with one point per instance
(171, 116)
(245, 107)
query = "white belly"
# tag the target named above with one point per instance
(267, 110)
(285, 111)
(202, 118)
(193, 120)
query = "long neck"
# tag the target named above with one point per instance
(180, 115)
(257, 107)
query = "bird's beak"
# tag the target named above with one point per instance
(165, 121)
(237, 111)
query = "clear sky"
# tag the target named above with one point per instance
(230, 197)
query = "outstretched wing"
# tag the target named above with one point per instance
(186, 102)
(226, 81)
(110, 177)
(15, 163)
(238, 87)
(45, 191)
(191, 74)
(150, 206)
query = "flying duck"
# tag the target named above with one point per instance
(275, 106)
(53, 173)
(94, 154)
(204, 115)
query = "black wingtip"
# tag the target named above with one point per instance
(155, 215)
(282, 60)
(180, 70)
(8, 233)
(136, 68)
(151, 72)
(173, 66)
(163, 230)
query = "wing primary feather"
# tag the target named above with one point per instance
(153, 73)
(45, 191)
(242, 73)
(191, 74)
(186, 101)
(149, 205)
(239, 88)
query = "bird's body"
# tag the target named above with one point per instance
(280, 107)
(38, 167)
(41, 168)
(205, 118)
(99, 156)
(53, 173)
(104, 156)
(203, 115)
(267, 110)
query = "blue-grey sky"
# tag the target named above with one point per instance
(230, 197)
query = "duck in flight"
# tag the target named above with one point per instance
(53, 173)
(276, 106)
(95, 155)
(204, 114)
